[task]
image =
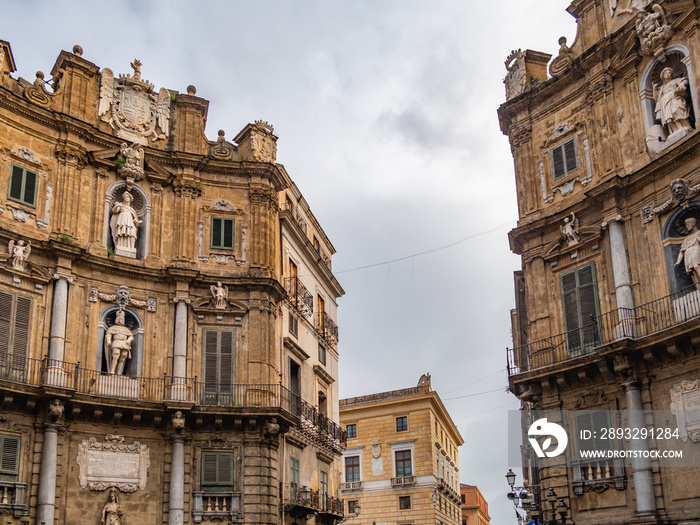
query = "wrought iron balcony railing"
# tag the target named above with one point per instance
(622, 323)
(326, 328)
(301, 501)
(320, 428)
(299, 296)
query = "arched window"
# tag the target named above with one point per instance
(134, 323)
(669, 107)
(141, 205)
(674, 232)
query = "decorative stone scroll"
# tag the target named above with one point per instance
(681, 191)
(685, 405)
(122, 298)
(113, 463)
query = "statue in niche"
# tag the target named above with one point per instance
(570, 230)
(671, 106)
(19, 251)
(112, 511)
(118, 340)
(220, 295)
(690, 250)
(124, 226)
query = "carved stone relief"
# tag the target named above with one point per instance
(221, 149)
(263, 143)
(685, 405)
(113, 463)
(681, 191)
(219, 295)
(19, 251)
(653, 31)
(570, 230)
(130, 163)
(561, 61)
(516, 79)
(123, 298)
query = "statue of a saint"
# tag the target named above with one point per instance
(112, 511)
(690, 250)
(220, 295)
(118, 340)
(19, 251)
(671, 106)
(569, 230)
(124, 225)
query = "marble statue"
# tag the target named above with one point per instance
(132, 167)
(124, 225)
(118, 340)
(220, 295)
(112, 511)
(690, 250)
(569, 230)
(19, 251)
(671, 106)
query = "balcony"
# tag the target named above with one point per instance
(298, 217)
(326, 328)
(403, 481)
(444, 487)
(320, 428)
(216, 506)
(299, 296)
(622, 323)
(301, 502)
(350, 486)
(12, 498)
(598, 475)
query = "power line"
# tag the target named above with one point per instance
(476, 394)
(473, 382)
(431, 250)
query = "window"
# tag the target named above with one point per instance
(293, 325)
(593, 421)
(293, 283)
(564, 159)
(403, 463)
(22, 186)
(323, 403)
(14, 334)
(352, 469)
(317, 245)
(221, 233)
(219, 367)
(294, 470)
(323, 490)
(352, 430)
(351, 506)
(463, 499)
(404, 502)
(321, 314)
(322, 354)
(9, 455)
(217, 471)
(401, 424)
(580, 303)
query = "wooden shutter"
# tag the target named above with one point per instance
(16, 183)
(21, 333)
(593, 421)
(228, 233)
(5, 322)
(217, 469)
(570, 156)
(29, 188)
(558, 163)
(9, 456)
(580, 304)
(211, 361)
(226, 361)
(215, 232)
(219, 368)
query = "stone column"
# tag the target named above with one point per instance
(621, 276)
(57, 336)
(641, 466)
(176, 506)
(179, 388)
(46, 499)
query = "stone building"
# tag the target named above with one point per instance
(144, 344)
(401, 464)
(607, 317)
(475, 509)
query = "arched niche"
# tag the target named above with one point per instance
(673, 234)
(678, 59)
(133, 322)
(142, 207)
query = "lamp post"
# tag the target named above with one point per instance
(527, 498)
(356, 512)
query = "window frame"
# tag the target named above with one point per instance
(23, 186)
(6, 470)
(220, 244)
(579, 345)
(294, 469)
(353, 468)
(404, 498)
(565, 164)
(352, 434)
(403, 461)
(218, 484)
(219, 390)
(403, 427)
(322, 354)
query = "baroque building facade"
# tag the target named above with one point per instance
(607, 318)
(144, 354)
(401, 464)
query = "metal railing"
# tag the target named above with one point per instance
(622, 323)
(327, 329)
(299, 296)
(300, 500)
(320, 428)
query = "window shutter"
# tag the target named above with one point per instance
(216, 232)
(16, 183)
(210, 361)
(9, 460)
(558, 162)
(21, 333)
(570, 155)
(228, 234)
(5, 321)
(601, 419)
(225, 464)
(209, 468)
(584, 422)
(226, 362)
(29, 187)
(580, 304)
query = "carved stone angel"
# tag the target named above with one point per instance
(19, 251)
(132, 168)
(220, 295)
(570, 230)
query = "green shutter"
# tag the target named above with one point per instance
(9, 455)
(558, 163)
(219, 364)
(211, 361)
(226, 362)
(16, 177)
(570, 156)
(29, 196)
(581, 310)
(217, 470)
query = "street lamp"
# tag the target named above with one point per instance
(528, 499)
(356, 512)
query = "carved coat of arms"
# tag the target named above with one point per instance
(130, 105)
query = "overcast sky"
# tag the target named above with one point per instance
(386, 116)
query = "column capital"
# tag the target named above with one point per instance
(60, 274)
(607, 221)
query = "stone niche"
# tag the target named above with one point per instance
(113, 463)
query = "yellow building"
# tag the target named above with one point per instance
(605, 145)
(401, 464)
(145, 327)
(475, 509)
